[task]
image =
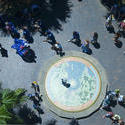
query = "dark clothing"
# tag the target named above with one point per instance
(51, 37)
(26, 34)
(76, 35)
(2, 22)
(3, 52)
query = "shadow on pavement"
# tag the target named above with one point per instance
(119, 44)
(96, 45)
(51, 122)
(89, 51)
(50, 12)
(29, 116)
(121, 104)
(74, 122)
(3, 52)
(30, 56)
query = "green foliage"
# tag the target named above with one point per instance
(11, 98)
(8, 100)
(4, 115)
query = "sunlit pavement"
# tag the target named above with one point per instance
(86, 17)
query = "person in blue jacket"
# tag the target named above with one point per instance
(50, 37)
(27, 35)
(76, 38)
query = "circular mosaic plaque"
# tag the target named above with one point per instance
(73, 84)
(83, 79)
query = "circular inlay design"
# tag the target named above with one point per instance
(83, 79)
(73, 85)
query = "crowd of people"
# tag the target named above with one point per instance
(36, 97)
(111, 18)
(111, 99)
(23, 37)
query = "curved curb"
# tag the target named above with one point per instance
(85, 112)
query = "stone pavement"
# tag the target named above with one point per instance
(86, 17)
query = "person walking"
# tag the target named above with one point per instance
(122, 26)
(108, 25)
(116, 37)
(85, 46)
(50, 38)
(33, 98)
(40, 26)
(58, 48)
(76, 38)
(114, 117)
(10, 28)
(27, 35)
(94, 37)
(35, 85)
(121, 99)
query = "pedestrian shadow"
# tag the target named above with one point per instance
(40, 111)
(122, 33)
(96, 45)
(3, 52)
(30, 40)
(51, 122)
(122, 104)
(118, 44)
(28, 116)
(29, 56)
(74, 121)
(108, 109)
(62, 54)
(89, 51)
(113, 103)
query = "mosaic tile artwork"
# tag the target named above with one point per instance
(82, 78)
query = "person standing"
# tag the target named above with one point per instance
(76, 38)
(85, 46)
(27, 35)
(108, 24)
(94, 38)
(50, 37)
(35, 85)
(116, 37)
(58, 48)
(114, 117)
